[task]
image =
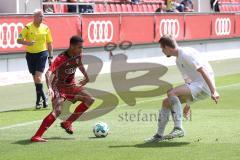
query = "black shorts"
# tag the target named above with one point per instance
(36, 61)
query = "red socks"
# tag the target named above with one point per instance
(49, 119)
(47, 122)
(81, 108)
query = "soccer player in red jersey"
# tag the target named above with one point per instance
(61, 84)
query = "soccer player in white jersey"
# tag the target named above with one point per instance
(199, 84)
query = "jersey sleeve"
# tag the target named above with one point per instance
(56, 63)
(49, 36)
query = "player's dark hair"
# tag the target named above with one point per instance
(168, 40)
(75, 40)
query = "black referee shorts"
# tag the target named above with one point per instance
(36, 61)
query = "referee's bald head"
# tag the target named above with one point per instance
(37, 12)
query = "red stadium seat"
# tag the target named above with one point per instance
(58, 8)
(129, 8)
(150, 8)
(135, 8)
(234, 8)
(99, 8)
(65, 8)
(124, 8)
(119, 8)
(225, 8)
(145, 8)
(113, 8)
(155, 7)
(221, 8)
(108, 8)
(140, 8)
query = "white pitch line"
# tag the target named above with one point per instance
(230, 85)
(20, 125)
(144, 101)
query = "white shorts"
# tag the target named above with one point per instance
(199, 90)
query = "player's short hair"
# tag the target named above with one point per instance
(75, 40)
(168, 40)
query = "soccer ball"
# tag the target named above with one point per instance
(100, 129)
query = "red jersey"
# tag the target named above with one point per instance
(63, 68)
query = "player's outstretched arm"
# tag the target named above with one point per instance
(214, 94)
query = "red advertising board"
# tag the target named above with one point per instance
(222, 26)
(169, 24)
(62, 28)
(10, 27)
(137, 28)
(197, 26)
(237, 25)
(98, 30)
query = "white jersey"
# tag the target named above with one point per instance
(188, 61)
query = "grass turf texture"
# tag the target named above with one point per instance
(213, 133)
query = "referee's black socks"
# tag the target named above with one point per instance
(40, 93)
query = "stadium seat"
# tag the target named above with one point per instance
(99, 8)
(135, 8)
(155, 7)
(96, 8)
(113, 8)
(238, 8)
(124, 8)
(65, 8)
(58, 8)
(140, 8)
(225, 8)
(108, 8)
(150, 8)
(234, 8)
(129, 7)
(145, 8)
(221, 8)
(119, 8)
(229, 8)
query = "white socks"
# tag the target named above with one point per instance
(163, 120)
(176, 110)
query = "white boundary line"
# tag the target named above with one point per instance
(20, 125)
(37, 121)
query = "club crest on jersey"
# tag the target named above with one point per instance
(70, 70)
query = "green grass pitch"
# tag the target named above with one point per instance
(213, 132)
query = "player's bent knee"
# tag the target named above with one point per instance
(165, 103)
(171, 93)
(57, 113)
(90, 101)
